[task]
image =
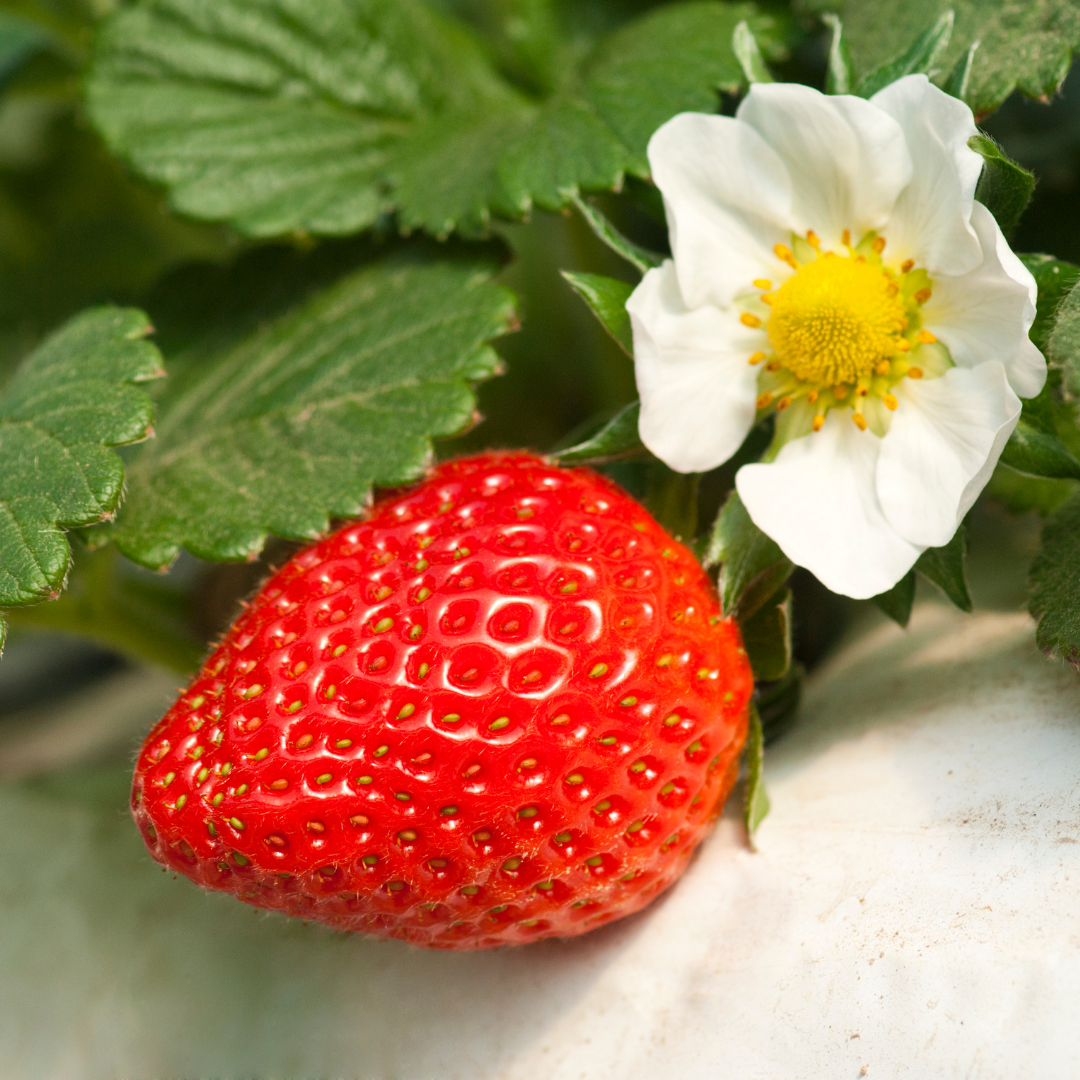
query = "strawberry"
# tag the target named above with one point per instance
(504, 707)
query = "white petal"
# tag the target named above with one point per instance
(818, 501)
(987, 313)
(728, 200)
(945, 439)
(847, 157)
(930, 222)
(697, 390)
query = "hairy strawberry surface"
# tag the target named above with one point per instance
(506, 706)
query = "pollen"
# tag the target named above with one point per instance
(835, 319)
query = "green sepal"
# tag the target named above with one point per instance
(959, 79)
(899, 600)
(919, 58)
(747, 51)
(1005, 187)
(638, 257)
(753, 566)
(1034, 446)
(606, 298)
(1063, 347)
(757, 798)
(767, 638)
(944, 566)
(1055, 598)
(840, 74)
(617, 440)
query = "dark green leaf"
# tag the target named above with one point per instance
(959, 81)
(293, 424)
(19, 40)
(607, 298)
(70, 400)
(1054, 279)
(1063, 347)
(898, 601)
(767, 637)
(637, 256)
(671, 497)
(944, 566)
(745, 47)
(757, 798)
(1005, 187)
(1021, 494)
(840, 74)
(920, 56)
(616, 440)
(1034, 446)
(1055, 581)
(753, 567)
(777, 702)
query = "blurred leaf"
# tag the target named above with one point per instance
(1025, 44)
(1055, 599)
(1063, 348)
(1034, 446)
(745, 47)
(637, 256)
(616, 440)
(606, 298)
(293, 424)
(840, 74)
(68, 402)
(672, 498)
(777, 702)
(944, 566)
(898, 601)
(753, 566)
(1004, 187)
(767, 637)
(757, 798)
(919, 57)
(326, 116)
(19, 40)
(1022, 494)
(1054, 279)
(959, 81)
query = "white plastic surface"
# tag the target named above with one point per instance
(914, 911)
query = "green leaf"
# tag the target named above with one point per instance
(672, 498)
(19, 40)
(291, 425)
(70, 400)
(767, 637)
(1034, 446)
(898, 601)
(944, 566)
(777, 702)
(638, 257)
(1055, 599)
(840, 74)
(606, 298)
(1021, 494)
(959, 81)
(616, 440)
(322, 117)
(753, 566)
(1005, 187)
(1025, 44)
(920, 56)
(757, 798)
(747, 51)
(1054, 279)
(1063, 348)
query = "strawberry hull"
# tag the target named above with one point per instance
(504, 707)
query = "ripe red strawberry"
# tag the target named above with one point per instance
(502, 708)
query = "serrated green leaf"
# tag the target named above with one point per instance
(71, 400)
(294, 423)
(899, 600)
(1063, 347)
(944, 566)
(753, 566)
(279, 116)
(747, 51)
(840, 73)
(638, 257)
(1005, 187)
(606, 298)
(1034, 446)
(616, 440)
(757, 798)
(1055, 599)
(1054, 279)
(919, 57)
(767, 637)
(1025, 44)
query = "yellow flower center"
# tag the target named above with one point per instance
(836, 319)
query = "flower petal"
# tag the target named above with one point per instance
(930, 222)
(818, 500)
(986, 314)
(945, 439)
(697, 390)
(728, 200)
(847, 156)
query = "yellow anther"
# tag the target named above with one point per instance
(812, 238)
(783, 253)
(907, 266)
(845, 238)
(766, 298)
(749, 320)
(879, 244)
(890, 401)
(773, 365)
(762, 283)
(921, 296)
(915, 373)
(819, 421)
(839, 391)
(783, 403)
(812, 396)
(757, 358)
(883, 367)
(860, 421)
(925, 337)
(764, 400)
(862, 391)
(903, 345)
(892, 289)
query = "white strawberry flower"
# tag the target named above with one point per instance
(832, 267)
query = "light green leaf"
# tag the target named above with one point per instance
(919, 57)
(1054, 279)
(1063, 346)
(277, 115)
(1025, 44)
(70, 400)
(898, 601)
(767, 637)
(753, 567)
(640, 259)
(606, 298)
(944, 566)
(1034, 446)
(616, 440)
(1005, 187)
(757, 798)
(959, 81)
(292, 425)
(747, 51)
(1055, 599)
(840, 74)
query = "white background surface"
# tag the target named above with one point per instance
(913, 911)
